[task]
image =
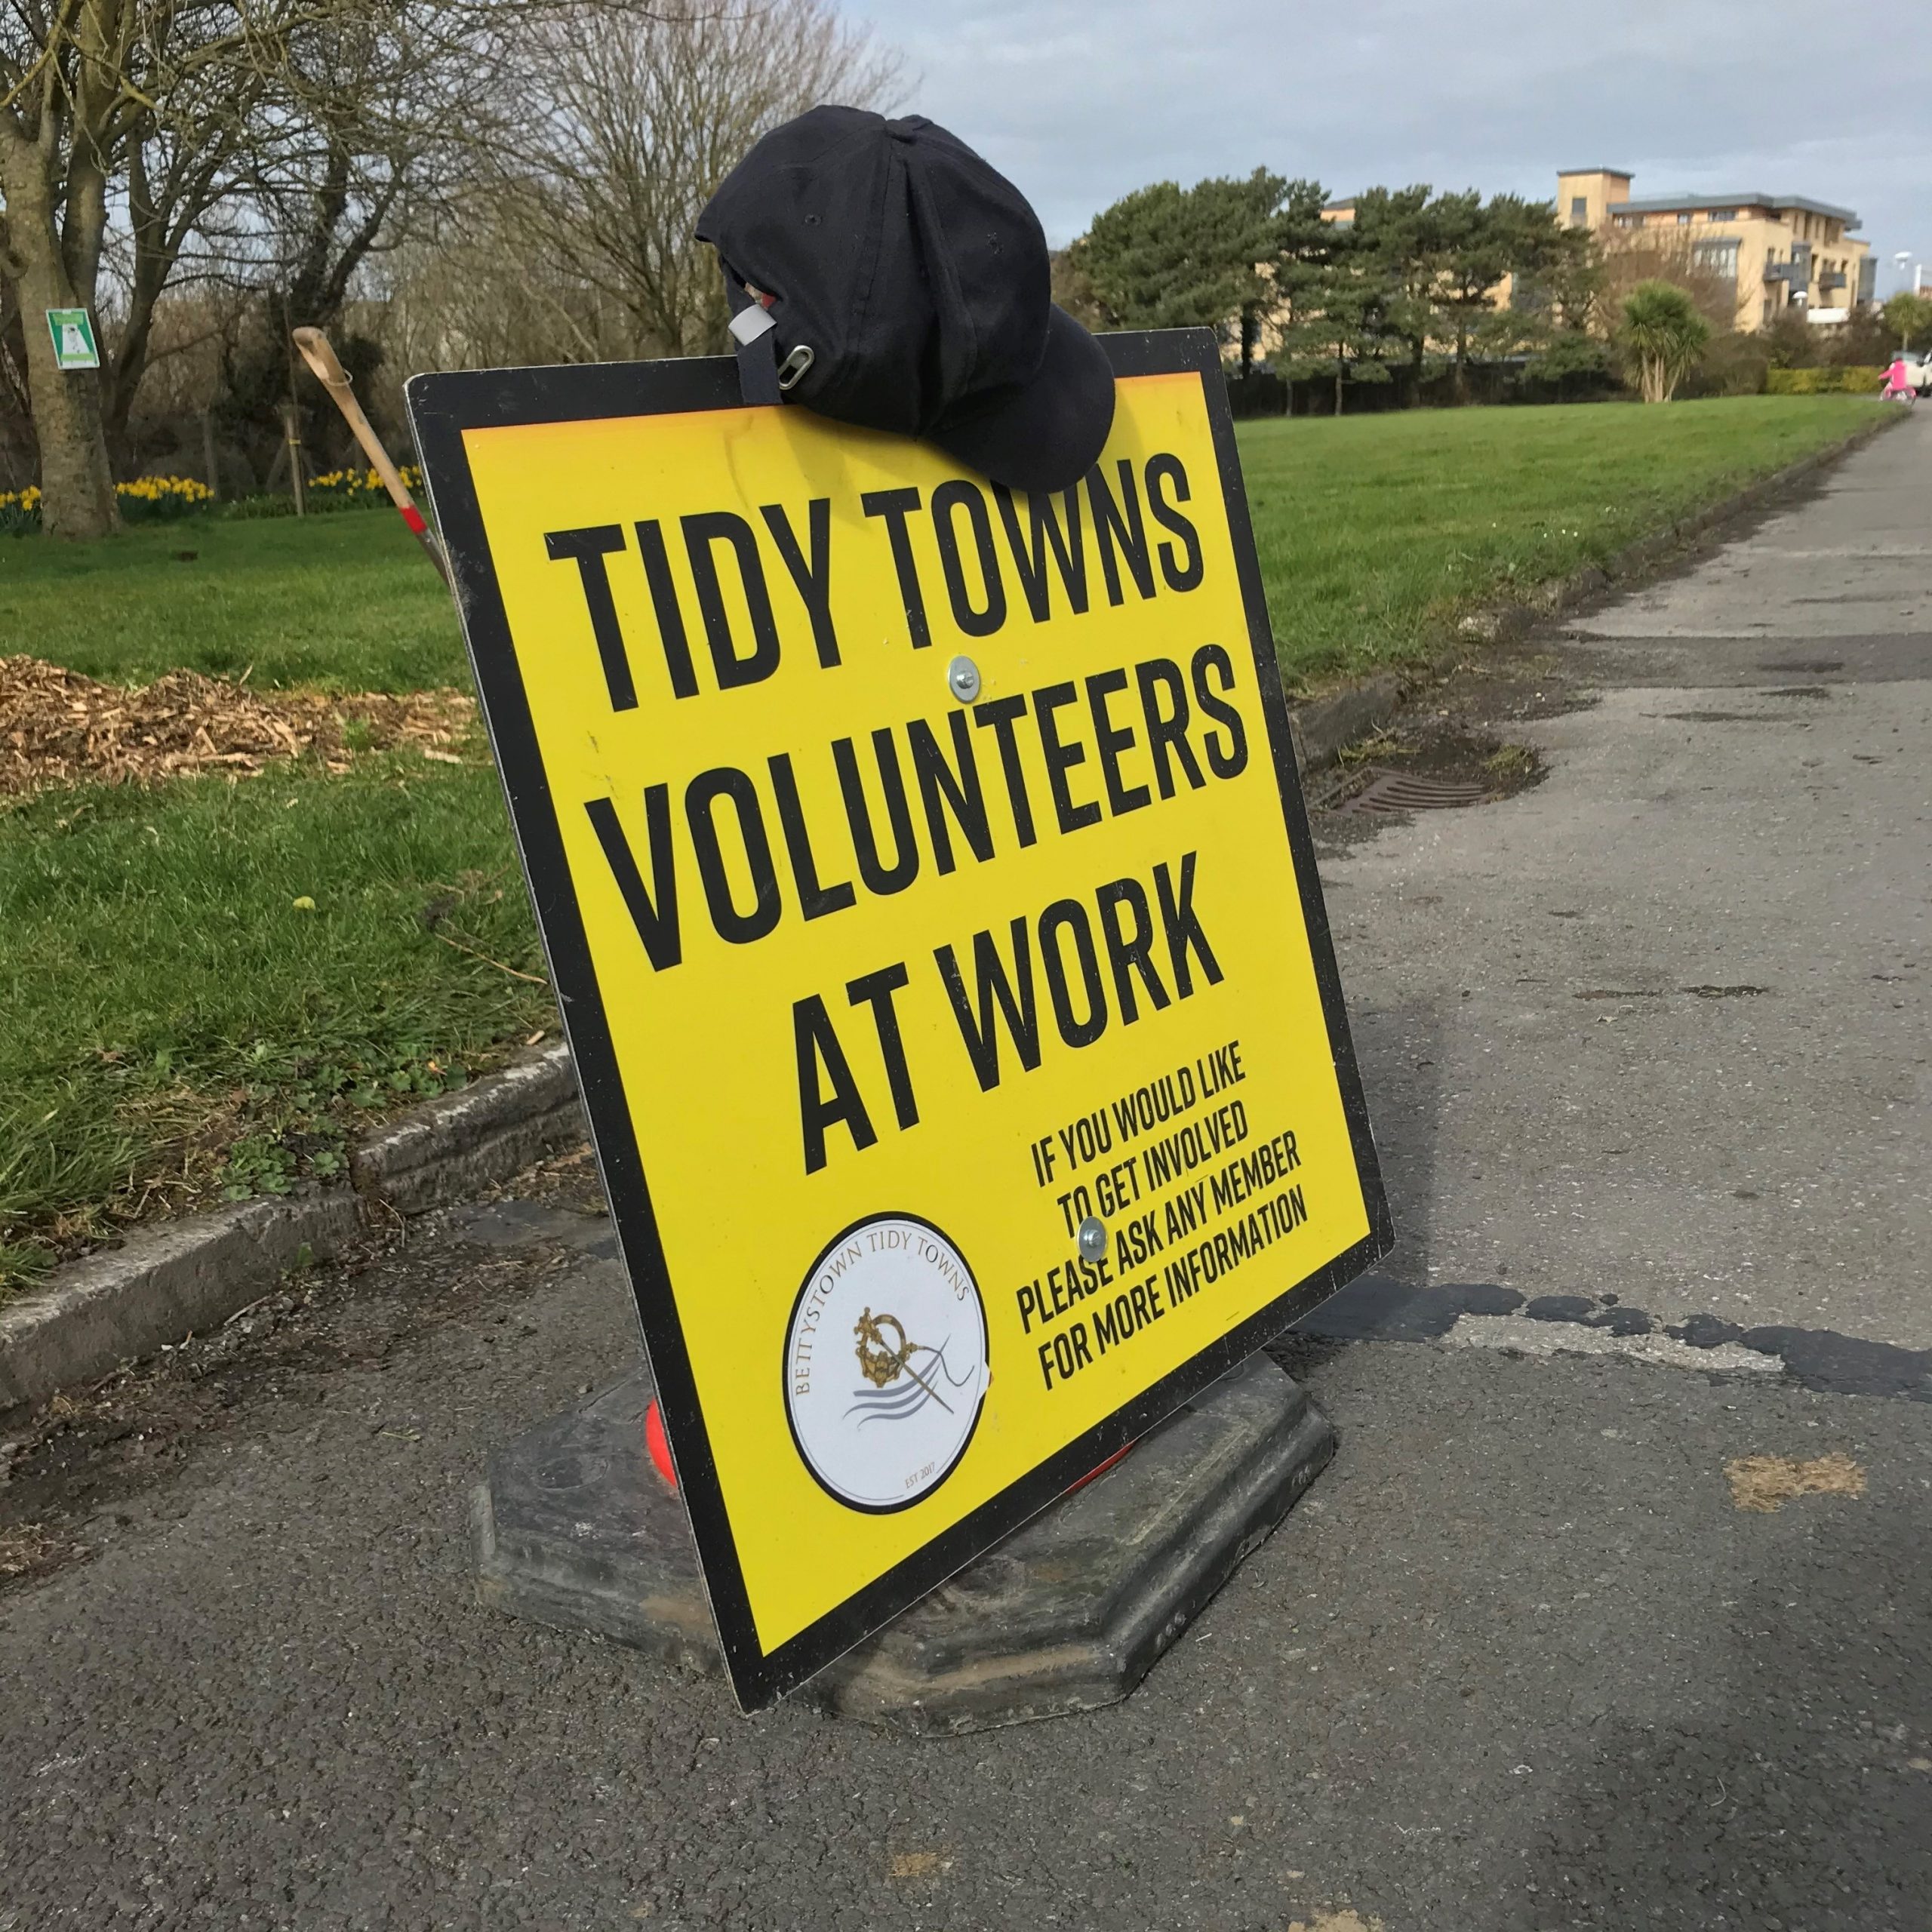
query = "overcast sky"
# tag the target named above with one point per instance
(1080, 100)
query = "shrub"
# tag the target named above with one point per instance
(1824, 382)
(1864, 342)
(1733, 364)
(1793, 343)
(1661, 337)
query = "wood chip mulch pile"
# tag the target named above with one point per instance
(57, 728)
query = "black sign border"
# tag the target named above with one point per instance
(442, 408)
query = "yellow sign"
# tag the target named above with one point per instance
(930, 903)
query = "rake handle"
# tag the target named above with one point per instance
(328, 370)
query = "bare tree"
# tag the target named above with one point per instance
(465, 297)
(1627, 259)
(137, 98)
(633, 118)
(558, 150)
(192, 116)
(386, 117)
(177, 225)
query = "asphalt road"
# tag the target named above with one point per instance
(1660, 1026)
(1518, 1663)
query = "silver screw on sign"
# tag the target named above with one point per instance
(962, 677)
(1092, 1239)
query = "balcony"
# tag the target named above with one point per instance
(1830, 280)
(1782, 272)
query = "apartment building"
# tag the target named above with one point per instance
(1785, 254)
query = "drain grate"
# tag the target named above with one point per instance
(1415, 791)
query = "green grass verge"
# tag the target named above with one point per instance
(1374, 532)
(178, 1025)
(340, 603)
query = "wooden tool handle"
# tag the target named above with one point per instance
(333, 378)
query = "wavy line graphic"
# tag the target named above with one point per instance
(890, 1404)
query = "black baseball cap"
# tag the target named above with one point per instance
(882, 274)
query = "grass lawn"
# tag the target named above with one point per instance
(207, 986)
(342, 602)
(178, 1025)
(1374, 532)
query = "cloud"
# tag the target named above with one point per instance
(1081, 100)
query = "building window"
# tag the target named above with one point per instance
(1684, 221)
(1719, 257)
(1721, 214)
(1579, 210)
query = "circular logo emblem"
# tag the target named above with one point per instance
(885, 1363)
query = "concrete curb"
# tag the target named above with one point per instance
(1324, 727)
(185, 1277)
(446, 1149)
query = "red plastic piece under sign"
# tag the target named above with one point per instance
(659, 1444)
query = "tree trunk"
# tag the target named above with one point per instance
(76, 484)
(1338, 385)
(1462, 364)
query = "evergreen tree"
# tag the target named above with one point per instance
(1335, 318)
(1166, 256)
(1908, 315)
(1482, 243)
(1398, 239)
(1662, 337)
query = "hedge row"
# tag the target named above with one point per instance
(1824, 382)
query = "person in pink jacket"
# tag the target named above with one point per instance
(1898, 381)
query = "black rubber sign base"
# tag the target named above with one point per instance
(575, 1529)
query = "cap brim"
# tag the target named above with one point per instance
(1043, 435)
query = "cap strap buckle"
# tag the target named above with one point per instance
(757, 359)
(793, 367)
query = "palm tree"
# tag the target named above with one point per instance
(1662, 337)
